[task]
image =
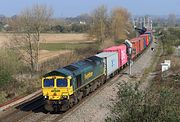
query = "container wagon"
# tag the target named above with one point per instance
(150, 36)
(110, 60)
(122, 55)
(141, 44)
(135, 47)
(146, 37)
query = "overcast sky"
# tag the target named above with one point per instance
(67, 8)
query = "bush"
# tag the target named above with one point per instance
(133, 105)
(129, 104)
(9, 65)
(169, 49)
(177, 42)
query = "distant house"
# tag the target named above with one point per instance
(6, 26)
(82, 22)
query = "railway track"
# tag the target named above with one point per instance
(33, 111)
(23, 110)
(54, 117)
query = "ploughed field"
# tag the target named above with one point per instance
(52, 45)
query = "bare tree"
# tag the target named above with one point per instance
(120, 24)
(98, 28)
(26, 39)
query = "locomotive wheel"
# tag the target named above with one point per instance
(86, 91)
(75, 100)
(48, 107)
(80, 96)
(71, 102)
(65, 106)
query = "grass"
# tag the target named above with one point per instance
(63, 46)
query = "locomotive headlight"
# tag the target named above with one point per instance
(45, 97)
(64, 96)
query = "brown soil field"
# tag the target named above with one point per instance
(63, 38)
(52, 38)
(4, 37)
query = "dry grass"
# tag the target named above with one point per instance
(51, 38)
(63, 38)
(107, 43)
(4, 37)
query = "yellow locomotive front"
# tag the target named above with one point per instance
(56, 89)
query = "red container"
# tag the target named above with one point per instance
(146, 36)
(141, 44)
(121, 50)
(135, 47)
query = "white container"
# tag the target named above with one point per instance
(110, 60)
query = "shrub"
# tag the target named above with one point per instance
(134, 105)
(128, 106)
(169, 49)
(9, 65)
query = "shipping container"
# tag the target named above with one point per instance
(150, 35)
(144, 41)
(141, 44)
(121, 50)
(145, 36)
(135, 47)
(110, 60)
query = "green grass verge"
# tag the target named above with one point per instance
(63, 46)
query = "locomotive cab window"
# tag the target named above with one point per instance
(48, 82)
(61, 83)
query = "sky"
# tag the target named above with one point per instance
(72, 8)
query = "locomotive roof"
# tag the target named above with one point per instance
(75, 68)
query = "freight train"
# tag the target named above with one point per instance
(66, 86)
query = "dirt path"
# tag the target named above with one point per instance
(96, 109)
